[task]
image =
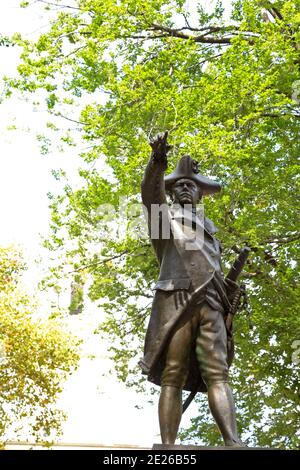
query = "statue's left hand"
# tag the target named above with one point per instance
(232, 288)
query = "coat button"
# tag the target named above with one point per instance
(192, 264)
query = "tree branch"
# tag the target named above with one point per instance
(202, 38)
(140, 36)
(275, 13)
(84, 46)
(58, 5)
(71, 120)
(102, 261)
(272, 115)
(284, 240)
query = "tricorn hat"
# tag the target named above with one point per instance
(188, 168)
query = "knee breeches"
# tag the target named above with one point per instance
(207, 333)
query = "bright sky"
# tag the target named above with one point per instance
(100, 409)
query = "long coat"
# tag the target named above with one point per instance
(184, 276)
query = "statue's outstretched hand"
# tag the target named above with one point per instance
(160, 147)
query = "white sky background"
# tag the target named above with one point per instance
(100, 409)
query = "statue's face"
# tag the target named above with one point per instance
(186, 191)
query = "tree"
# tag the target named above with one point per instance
(37, 355)
(226, 86)
(5, 41)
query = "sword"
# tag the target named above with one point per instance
(233, 274)
(238, 265)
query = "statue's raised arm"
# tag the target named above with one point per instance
(153, 187)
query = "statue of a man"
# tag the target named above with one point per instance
(187, 345)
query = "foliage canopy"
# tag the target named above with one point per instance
(225, 83)
(37, 355)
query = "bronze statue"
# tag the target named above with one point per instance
(188, 344)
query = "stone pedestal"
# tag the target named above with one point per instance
(182, 448)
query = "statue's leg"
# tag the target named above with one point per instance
(173, 379)
(222, 407)
(169, 411)
(211, 350)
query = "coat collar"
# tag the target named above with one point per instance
(208, 224)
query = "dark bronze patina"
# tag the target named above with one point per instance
(189, 343)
